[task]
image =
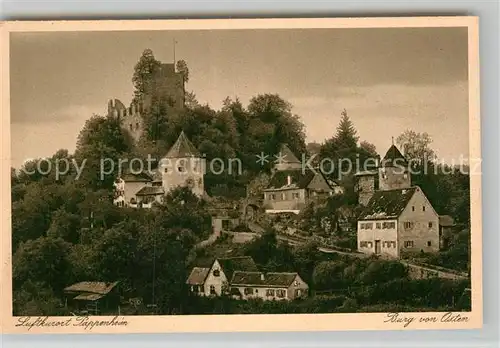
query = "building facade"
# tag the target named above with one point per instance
(397, 217)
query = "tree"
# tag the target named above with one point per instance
(342, 146)
(190, 100)
(416, 147)
(65, 226)
(42, 260)
(183, 209)
(144, 71)
(329, 275)
(182, 68)
(99, 146)
(273, 124)
(346, 136)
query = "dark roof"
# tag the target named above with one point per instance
(300, 179)
(91, 287)
(287, 155)
(446, 221)
(393, 157)
(387, 204)
(198, 276)
(281, 279)
(233, 264)
(182, 148)
(136, 177)
(150, 191)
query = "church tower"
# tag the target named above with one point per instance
(393, 171)
(183, 165)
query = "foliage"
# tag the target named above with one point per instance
(143, 73)
(416, 147)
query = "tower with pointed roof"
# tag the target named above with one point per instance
(393, 171)
(286, 159)
(183, 165)
(390, 174)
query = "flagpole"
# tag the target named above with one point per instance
(174, 53)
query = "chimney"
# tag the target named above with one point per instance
(288, 180)
(262, 277)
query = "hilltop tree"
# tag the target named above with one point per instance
(143, 73)
(182, 68)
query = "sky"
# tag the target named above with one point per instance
(388, 80)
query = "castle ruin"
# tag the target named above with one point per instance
(167, 85)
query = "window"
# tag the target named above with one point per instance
(248, 291)
(283, 196)
(295, 195)
(366, 226)
(180, 169)
(379, 225)
(165, 170)
(390, 224)
(272, 197)
(408, 225)
(430, 224)
(270, 292)
(137, 125)
(429, 243)
(409, 244)
(412, 208)
(393, 244)
(130, 126)
(296, 283)
(212, 290)
(216, 273)
(405, 176)
(280, 293)
(423, 208)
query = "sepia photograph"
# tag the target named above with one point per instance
(228, 173)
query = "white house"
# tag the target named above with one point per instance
(397, 217)
(396, 220)
(240, 278)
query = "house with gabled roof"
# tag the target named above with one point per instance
(214, 280)
(268, 286)
(292, 187)
(240, 278)
(397, 217)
